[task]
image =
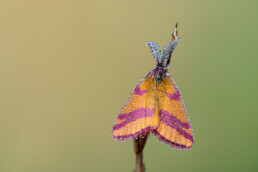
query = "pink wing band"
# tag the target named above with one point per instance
(138, 91)
(132, 136)
(175, 123)
(173, 144)
(166, 117)
(174, 96)
(133, 116)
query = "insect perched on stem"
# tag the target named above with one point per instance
(156, 105)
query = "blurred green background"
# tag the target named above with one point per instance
(67, 67)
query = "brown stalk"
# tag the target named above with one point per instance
(139, 144)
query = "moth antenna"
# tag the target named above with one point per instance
(169, 48)
(155, 50)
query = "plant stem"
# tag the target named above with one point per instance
(139, 144)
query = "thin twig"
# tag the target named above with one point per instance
(139, 144)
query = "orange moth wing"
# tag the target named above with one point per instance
(156, 105)
(136, 117)
(174, 127)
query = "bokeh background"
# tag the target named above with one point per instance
(67, 67)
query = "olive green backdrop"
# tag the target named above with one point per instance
(67, 67)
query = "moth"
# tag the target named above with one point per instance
(156, 105)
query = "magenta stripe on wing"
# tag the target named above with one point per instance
(146, 111)
(133, 116)
(174, 96)
(175, 123)
(173, 144)
(169, 118)
(138, 91)
(132, 136)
